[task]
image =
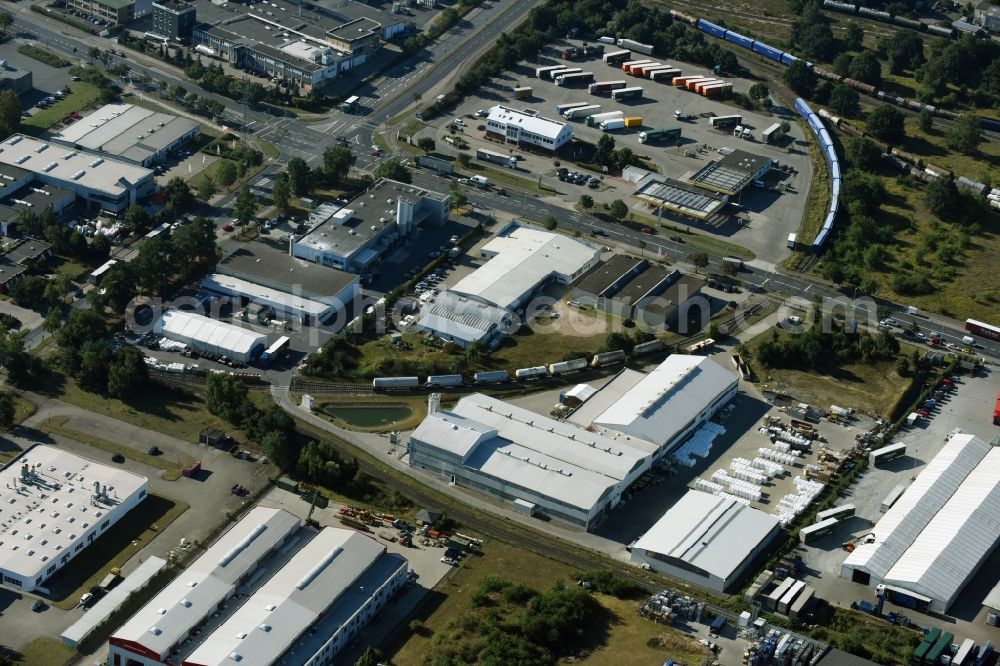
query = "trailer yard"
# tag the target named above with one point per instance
(765, 216)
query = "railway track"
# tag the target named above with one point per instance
(768, 20)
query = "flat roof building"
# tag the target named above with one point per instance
(523, 129)
(938, 534)
(732, 173)
(101, 182)
(463, 320)
(663, 406)
(115, 12)
(29, 252)
(706, 540)
(354, 237)
(36, 197)
(302, 592)
(9, 274)
(210, 335)
(639, 290)
(18, 81)
(174, 18)
(514, 454)
(62, 503)
(522, 260)
(286, 306)
(678, 197)
(130, 133)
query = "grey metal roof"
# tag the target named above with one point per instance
(714, 534)
(454, 316)
(267, 263)
(679, 197)
(27, 250)
(131, 132)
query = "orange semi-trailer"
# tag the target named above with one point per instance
(681, 81)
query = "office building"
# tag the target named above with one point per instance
(174, 19)
(527, 130)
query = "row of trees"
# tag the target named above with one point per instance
(817, 348)
(300, 179)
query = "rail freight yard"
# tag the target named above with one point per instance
(693, 137)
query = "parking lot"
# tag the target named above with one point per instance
(765, 216)
(45, 79)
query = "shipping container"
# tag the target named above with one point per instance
(626, 93)
(838, 512)
(964, 654)
(491, 377)
(629, 65)
(925, 645)
(788, 597)
(542, 72)
(893, 497)
(696, 85)
(691, 82)
(712, 29)
(643, 70)
(531, 373)
(567, 366)
(665, 75)
(939, 648)
(575, 79)
(648, 72)
(647, 347)
(787, 59)
(581, 112)
(739, 40)
(717, 90)
(609, 125)
(681, 81)
(725, 121)
(485, 155)
(665, 134)
(605, 86)
(395, 382)
(812, 532)
(556, 73)
(887, 453)
(444, 380)
(633, 121)
(616, 58)
(563, 108)
(597, 119)
(522, 92)
(768, 52)
(636, 46)
(606, 40)
(982, 329)
(772, 133)
(792, 241)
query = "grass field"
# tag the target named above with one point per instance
(171, 470)
(159, 408)
(82, 95)
(113, 548)
(451, 597)
(867, 387)
(44, 651)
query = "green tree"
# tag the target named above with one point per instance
(205, 188)
(842, 64)
(370, 657)
(246, 206)
(586, 201)
(118, 285)
(299, 176)
(136, 219)
(392, 169)
(176, 92)
(426, 144)
(759, 92)
(29, 292)
(863, 154)
(618, 210)
(925, 120)
(94, 363)
(464, 160)
(458, 198)
(941, 197)
(179, 194)
(853, 37)
(902, 366)
(699, 260)
(845, 101)
(8, 405)
(337, 163)
(551, 222)
(226, 173)
(154, 265)
(965, 134)
(226, 397)
(886, 123)
(10, 112)
(729, 268)
(865, 67)
(127, 375)
(281, 193)
(904, 51)
(800, 78)
(6, 20)
(193, 242)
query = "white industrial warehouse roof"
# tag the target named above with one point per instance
(541, 454)
(196, 593)
(128, 131)
(52, 508)
(544, 127)
(662, 403)
(100, 611)
(279, 300)
(73, 167)
(267, 624)
(934, 538)
(714, 534)
(189, 326)
(455, 316)
(523, 259)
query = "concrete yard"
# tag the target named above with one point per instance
(766, 217)
(970, 409)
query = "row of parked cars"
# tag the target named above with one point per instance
(567, 176)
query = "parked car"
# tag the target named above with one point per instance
(118, 458)
(38, 606)
(647, 230)
(227, 227)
